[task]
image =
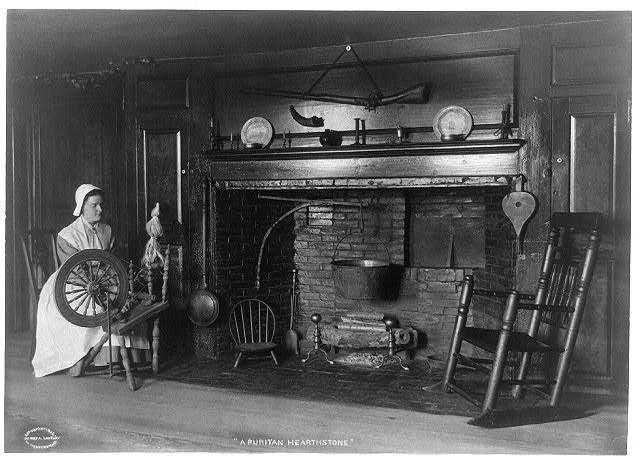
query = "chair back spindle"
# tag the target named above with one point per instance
(40, 260)
(251, 321)
(565, 277)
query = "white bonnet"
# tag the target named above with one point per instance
(81, 193)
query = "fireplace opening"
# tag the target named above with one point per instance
(432, 238)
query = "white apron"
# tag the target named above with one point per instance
(59, 343)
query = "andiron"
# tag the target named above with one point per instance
(317, 342)
(391, 356)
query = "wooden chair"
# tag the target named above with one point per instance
(252, 326)
(40, 260)
(559, 303)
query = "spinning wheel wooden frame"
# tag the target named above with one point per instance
(88, 284)
(93, 288)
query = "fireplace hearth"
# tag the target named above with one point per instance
(397, 222)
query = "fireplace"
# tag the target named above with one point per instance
(427, 288)
(434, 229)
(396, 221)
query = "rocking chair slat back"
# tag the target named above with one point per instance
(565, 277)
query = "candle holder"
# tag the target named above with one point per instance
(504, 132)
(317, 342)
(401, 134)
(357, 136)
(364, 132)
(391, 355)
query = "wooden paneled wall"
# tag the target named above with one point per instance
(61, 136)
(66, 140)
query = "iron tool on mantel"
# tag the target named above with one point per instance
(519, 206)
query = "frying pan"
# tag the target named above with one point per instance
(203, 305)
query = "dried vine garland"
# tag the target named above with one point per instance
(81, 80)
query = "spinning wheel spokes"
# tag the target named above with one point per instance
(93, 304)
(85, 302)
(87, 283)
(104, 273)
(80, 277)
(86, 269)
(75, 291)
(83, 294)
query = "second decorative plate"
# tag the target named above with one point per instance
(452, 123)
(257, 131)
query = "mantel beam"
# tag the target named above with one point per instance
(463, 159)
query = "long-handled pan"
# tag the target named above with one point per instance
(203, 306)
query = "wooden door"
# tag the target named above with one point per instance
(163, 146)
(590, 172)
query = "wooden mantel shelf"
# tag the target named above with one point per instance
(457, 159)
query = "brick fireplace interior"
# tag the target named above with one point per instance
(432, 237)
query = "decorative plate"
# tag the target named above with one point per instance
(257, 131)
(452, 123)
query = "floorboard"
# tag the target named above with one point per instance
(99, 414)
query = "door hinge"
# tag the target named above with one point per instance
(629, 111)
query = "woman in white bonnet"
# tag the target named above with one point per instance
(60, 344)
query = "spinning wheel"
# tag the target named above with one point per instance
(94, 288)
(89, 282)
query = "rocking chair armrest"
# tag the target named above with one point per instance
(551, 308)
(502, 294)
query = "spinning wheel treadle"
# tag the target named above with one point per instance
(86, 282)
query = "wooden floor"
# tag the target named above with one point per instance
(95, 414)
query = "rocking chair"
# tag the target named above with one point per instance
(559, 302)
